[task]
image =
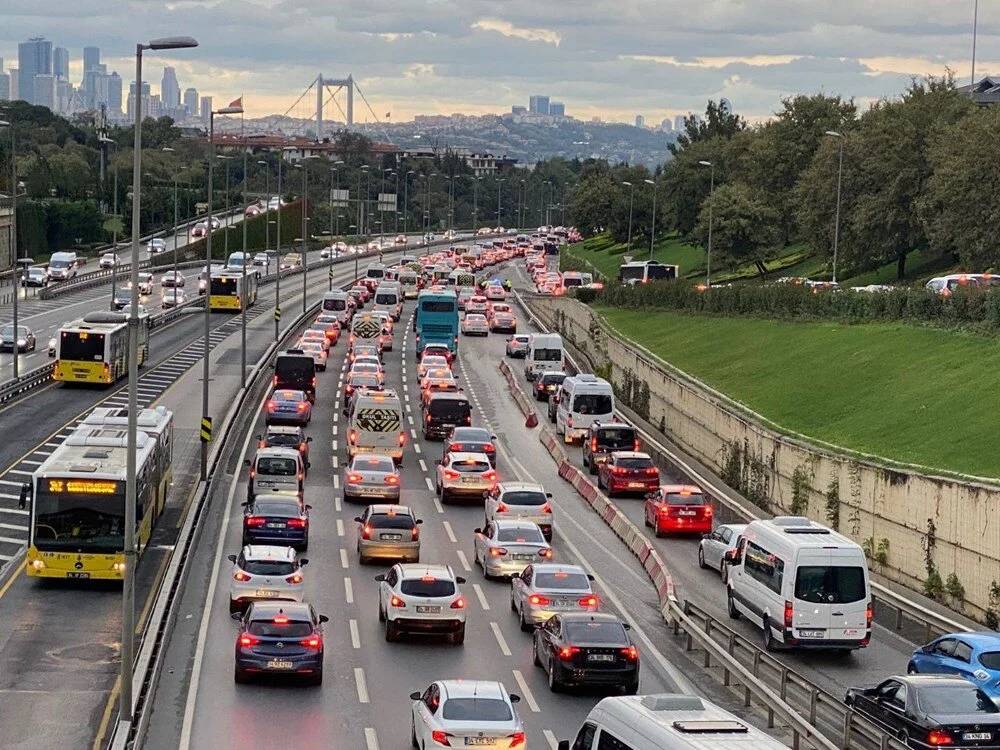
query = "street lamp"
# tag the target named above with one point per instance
(335, 169)
(267, 207)
(975, 25)
(304, 166)
(520, 206)
(129, 550)
(429, 178)
(500, 182)
(631, 191)
(406, 199)
(168, 150)
(475, 203)
(840, 174)
(105, 141)
(15, 273)
(711, 217)
(652, 231)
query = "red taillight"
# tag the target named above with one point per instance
(239, 575)
(488, 448)
(349, 389)
(391, 479)
(313, 641)
(567, 652)
(441, 737)
(490, 475)
(301, 406)
(631, 653)
(635, 445)
(458, 603)
(450, 474)
(415, 533)
(546, 553)
(455, 448)
(593, 444)
(587, 601)
(502, 507)
(517, 739)
(547, 508)
(366, 532)
(246, 641)
(939, 738)
(354, 479)
(271, 406)
(254, 521)
(869, 614)
(789, 615)
(298, 523)
(274, 381)
(303, 447)
(497, 551)
(397, 602)
(402, 439)
(539, 601)
(468, 420)
(652, 471)
(352, 436)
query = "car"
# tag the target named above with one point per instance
(356, 381)
(200, 229)
(286, 436)
(438, 349)
(53, 343)
(282, 639)
(361, 293)
(330, 325)
(290, 261)
(628, 472)
(172, 279)
(475, 325)
(495, 292)
(261, 259)
(713, 547)
(158, 245)
(551, 407)
(464, 475)
(371, 477)
(36, 276)
(929, 711)
(421, 598)
(477, 305)
(464, 295)
(388, 532)
(276, 519)
(603, 438)
(108, 260)
(678, 509)
(287, 406)
(317, 334)
(172, 297)
(545, 589)
(521, 501)
(367, 367)
(122, 298)
(442, 411)
(439, 379)
(264, 571)
(517, 346)
(504, 548)
(317, 350)
(24, 341)
(587, 649)
(974, 656)
(327, 252)
(145, 283)
(471, 440)
(429, 362)
(547, 383)
(361, 351)
(464, 713)
(503, 321)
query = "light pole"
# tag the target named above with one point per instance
(475, 203)
(652, 232)
(304, 166)
(128, 547)
(15, 272)
(711, 221)
(500, 182)
(406, 199)
(168, 150)
(277, 251)
(368, 200)
(395, 225)
(225, 236)
(975, 25)
(245, 203)
(429, 178)
(520, 206)
(267, 207)
(105, 141)
(333, 244)
(840, 175)
(631, 190)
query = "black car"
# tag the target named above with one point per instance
(286, 436)
(283, 639)
(444, 411)
(587, 649)
(24, 341)
(931, 711)
(471, 440)
(276, 519)
(296, 370)
(605, 437)
(547, 384)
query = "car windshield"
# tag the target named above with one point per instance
(7, 331)
(830, 584)
(561, 579)
(616, 437)
(358, 379)
(271, 629)
(526, 535)
(592, 403)
(547, 355)
(334, 304)
(476, 709)
(990, 659)
(595, 632)
(268, 567)
(427, 586)
(471, 435)
(437, 306)
(386, 298)
(449, 410)
(271, 508)
(553, 379)
(281, 467)
(634, 463)
(391, 521)
(434, 361)
(955, 699)
(281, 440)
(524, 497)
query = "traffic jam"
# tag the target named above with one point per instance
(378, 385)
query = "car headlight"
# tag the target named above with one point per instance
(52, 343)
(21, 342)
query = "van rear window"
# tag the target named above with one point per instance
(830, 584)
(294, 368)
(593, 403)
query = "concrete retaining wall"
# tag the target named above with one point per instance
(906, 520)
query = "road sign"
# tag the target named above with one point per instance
(386, 201)
(331, 274)
(340, 198)
(206, 429)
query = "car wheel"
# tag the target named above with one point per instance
(381, 613)
(458, 637)
(513, 604)
(525, 625)
(911, 668)
(239, 676)
(724, 572)
(555, 684)
(534, 653)
(413, 735)
(631, 687)
(391, 634)
(734, 614)
(701, 557)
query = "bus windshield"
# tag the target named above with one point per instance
(79, 521)
(224, 285)
(81, 347)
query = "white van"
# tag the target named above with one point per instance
(668, 721)
(580, 401)
(376, 425)
(410, 283)
(237, 260)
(276, 470)
(62, 266)
(805, 585)
(338, 303)
(388, 299)
(545, 352)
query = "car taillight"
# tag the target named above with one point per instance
(545, 552)
(455, 448)
(313, 641)
(441, 737)
(940, 738)
(488, 448)
(246, 641)
(297, 523)
(450, 474)
(497, 551)
(517, 739)
(567, 652)
(547, 508)
(274, 381)
(587, 601)
(366, 532)
(294, 578)
(869, 614)
(415, 533)
(395, 601)
(652, 471)
(239, 575)
(354, 479)
(391, 479)
(468, 420)
(538, 600)
(352, 436)
(349, 389)
(271, 406)
(502, 507)
(593, 444)
(789, 614)
(490, 475)
(402, 439)
(631, 653)
(254, 521)
(459, 603)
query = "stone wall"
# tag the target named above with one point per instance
(910, 523)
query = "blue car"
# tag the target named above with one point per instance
(283, 639)
(974, 656)
(276, 519)
(288, 407)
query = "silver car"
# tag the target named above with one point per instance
(475, 324)
(544, 589)
(521, 501)
(517, 346)
(506, 548)
(263, 571)
(465, 475)
(713, 547)
(371, 477)
(172, 279)
(388, 532)
(172, 297)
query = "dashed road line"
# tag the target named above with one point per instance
(371, 739)
(483, 602)
(464, 560)
(450, 532)
(359, 680)
(501, 641)
(340, 527)
(525, 691)
(344, 562)
(349, 590)
(355, 634)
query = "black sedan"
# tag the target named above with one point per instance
(931, 711)
(587, 649)
(276, 519)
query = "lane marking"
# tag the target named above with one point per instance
(413, 434)
(430, 484)
(344, 562)
(501, 641)
(348, 590)
(525, 691)
(450, 532)
(336, 486)
(355, 635)
(334, 445)
(371, 739)
(464, 560)
(409, 418)
(423, 466)
(335, 430)
(482, 597)
(336, 462)
(359, 679)
(416, 448)
(340, 527)
(437, 504)
(336, 501)
(551, 739)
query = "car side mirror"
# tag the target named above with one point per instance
(308, 507)
(590, 577)
(309, 439)
(515, 698)
(419, 521)
(477, 531)
(304, 561)
(245, 503)
(415, 696)
(459, 579)
(358, 519)
(236, 616)
(627, 626)
(548, 495)
(380, 577)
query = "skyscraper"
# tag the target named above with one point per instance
(114, 102)
(170, 90)
(538, 104)
(91, 58)
(640, 121)
(679, 123)
(34, 57)
(60, 63)
(191, 102)
(557, 109)
(44, 90)
(4, 87)
(205, 109)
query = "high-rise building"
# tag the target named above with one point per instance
(640, 121)
(205, 109)
(91, 58)
(4, 87)
(666, 125)
(170, 90)
(44, 90)
(130, 110)
(14, 84)
(113, 83)
(538, 104)
(34, 57)
(518, 109)
(191, 102)
(557, 109)
(60, 63)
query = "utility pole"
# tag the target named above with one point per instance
(711, 221)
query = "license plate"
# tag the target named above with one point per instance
(600, 657)
(686, 513)
(266, 593)
(391, 537)
(523, 557)
(470, 480)
(852, 633)
(812, 633)
(367, 491)
(564, 602)
(480, 741)
(426, 610)
(976, 736)
(276, 526)
(74, 574)
(279, 664)
(636, 485)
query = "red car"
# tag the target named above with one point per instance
(628, 472)
(678, 509)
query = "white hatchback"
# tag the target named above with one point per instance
(419, 598)
(262, 571)
(466, 713)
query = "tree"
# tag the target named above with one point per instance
(745, 229)
(719, 122)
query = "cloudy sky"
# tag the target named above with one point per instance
(602, 58)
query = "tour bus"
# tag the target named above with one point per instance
(437, 320)
(375, 425)
(545, 352)
(409, 280)
(230, 289)
(389, 299)
(338, 303)
(580, 401)
(94, 349)
(77, 499)
(804, 585)
(642, 272)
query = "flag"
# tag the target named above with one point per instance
(388, 115)
(237, 103)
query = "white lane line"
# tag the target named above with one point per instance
(336, 501)
(336, 486)
(437, 504)
(53, 445)
(335, 461)
(334, 444)
(13, 527)
(430, 484)
(416, 448)
(413, 434)
(409, 418)
(340, 527)
(355, 634)
(371, 739)
(423, 466)
(344, 562)
(359, 679)
(482, 597)
(348, 590)
(335, 430)
(336, 416)
(13, 511)
(501, 641)
(464, 560)
(551, 739)
(31, 463)
(450, 532)
(525, 691)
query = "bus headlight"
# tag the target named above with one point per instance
(37, 564)
(118, 567)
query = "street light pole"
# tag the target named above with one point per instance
(243, 297)
(500, 182)
(475, 204)
(652, 231)
(406, 199)
(631, 191)
(711, 221)
(15, 271)
(975, 27)
(277, 252)
(840, 175)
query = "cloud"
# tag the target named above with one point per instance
(510, 30)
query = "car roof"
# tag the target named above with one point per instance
(276, 429)
(558, 568)
(979, 639)
(269, 552)
(464, 429)
(629, 454)
(519, 486)
(279, 451)
(589, 617)
(680, 489)
(448, 396)
(399, 510)
(472, 688)
(267, 610)
(616, 425)
(513, 523)
(278, 497)
(419, 570)
(927, 680)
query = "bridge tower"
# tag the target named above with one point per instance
(321, 84)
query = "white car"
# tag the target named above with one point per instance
(261, 259)
(466, 713)
(465, 475)
(172, 279)
(543, 590)
(264, 571)
(156, 246)
(421, 598)
(505, 548)
(315, 348)
(475, 324)
(108, 260)
(713, 547)
(521, 501)
(172, 297)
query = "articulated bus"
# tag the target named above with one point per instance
(77, 497)
(94, 349)
(226, 289)
(437, 320)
